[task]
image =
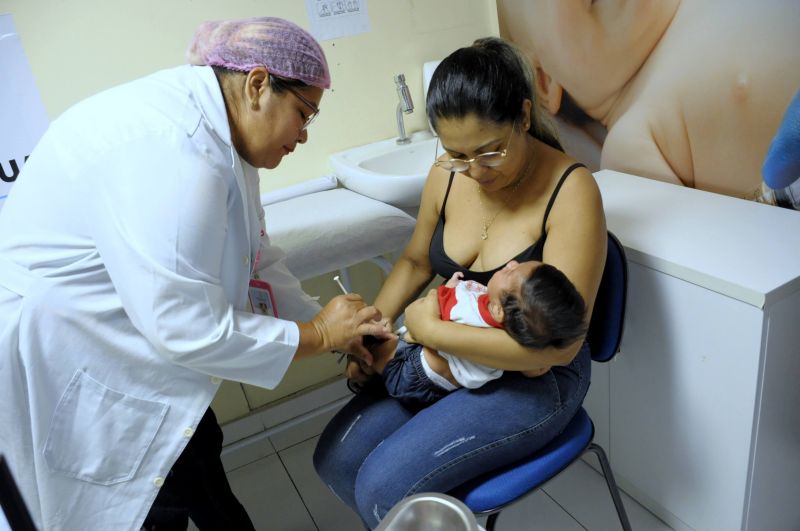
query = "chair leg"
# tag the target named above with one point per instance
(491, 521)
(612, 485)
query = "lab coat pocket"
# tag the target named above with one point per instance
(100, 435)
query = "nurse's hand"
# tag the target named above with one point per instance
(343, 322)
(421, 316)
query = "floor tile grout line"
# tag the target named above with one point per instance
(254, 459)
(299, 442)
(565, 510)
(299, 494)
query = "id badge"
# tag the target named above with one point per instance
(261, 298)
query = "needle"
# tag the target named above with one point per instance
(341, 354)
(336, 278)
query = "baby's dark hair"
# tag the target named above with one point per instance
(548, 313)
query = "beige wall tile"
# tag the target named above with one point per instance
(230, 402)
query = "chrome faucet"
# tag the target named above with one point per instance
(405, 105)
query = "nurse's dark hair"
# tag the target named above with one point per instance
(548, 311)
(489, 79)
(276, 84)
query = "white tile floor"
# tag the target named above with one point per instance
(281, 492)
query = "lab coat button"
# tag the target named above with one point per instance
(246, 260)
(158, 482)
(188, 432)
(216, 380)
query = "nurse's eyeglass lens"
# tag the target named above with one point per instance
(282, 84)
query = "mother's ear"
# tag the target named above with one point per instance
(548, 90)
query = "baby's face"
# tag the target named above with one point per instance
(509, 280)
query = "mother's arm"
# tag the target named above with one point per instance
(576, 244)
(412, 271)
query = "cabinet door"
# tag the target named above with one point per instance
(775, 481)
(682, 398)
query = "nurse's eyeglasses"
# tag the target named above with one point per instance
(282, 84)
(490, 159)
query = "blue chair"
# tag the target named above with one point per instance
(493, 491)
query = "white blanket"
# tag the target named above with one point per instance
(334, 229)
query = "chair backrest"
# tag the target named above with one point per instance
(608, 316)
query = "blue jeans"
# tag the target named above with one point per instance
(375, 452)
(405, 378)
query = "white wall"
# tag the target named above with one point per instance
(79, 47)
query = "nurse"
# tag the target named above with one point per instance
(132, 248)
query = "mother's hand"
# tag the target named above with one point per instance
(357, 370)
(421, 315)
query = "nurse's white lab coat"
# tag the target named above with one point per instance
(126, 248)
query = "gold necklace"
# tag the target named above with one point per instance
(509, 194)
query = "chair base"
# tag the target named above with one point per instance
(610, 482)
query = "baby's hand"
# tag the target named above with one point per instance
(455, 279)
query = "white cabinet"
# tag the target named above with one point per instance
(700, 411)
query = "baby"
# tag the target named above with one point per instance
(535, 303)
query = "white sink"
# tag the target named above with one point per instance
(387, 171)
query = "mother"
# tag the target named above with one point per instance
(503, 190)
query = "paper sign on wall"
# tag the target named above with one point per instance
(331, 19)
(23, 119)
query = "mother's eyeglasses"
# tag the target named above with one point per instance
(281, 83)
(490, 159)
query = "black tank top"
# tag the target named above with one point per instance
(444, 266)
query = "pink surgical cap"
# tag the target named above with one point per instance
(283, 47)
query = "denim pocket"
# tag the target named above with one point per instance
(100, 435)
(553, 390)
(573, 380)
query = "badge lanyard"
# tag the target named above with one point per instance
(262, 300)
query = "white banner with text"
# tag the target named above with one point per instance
(23, 119)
